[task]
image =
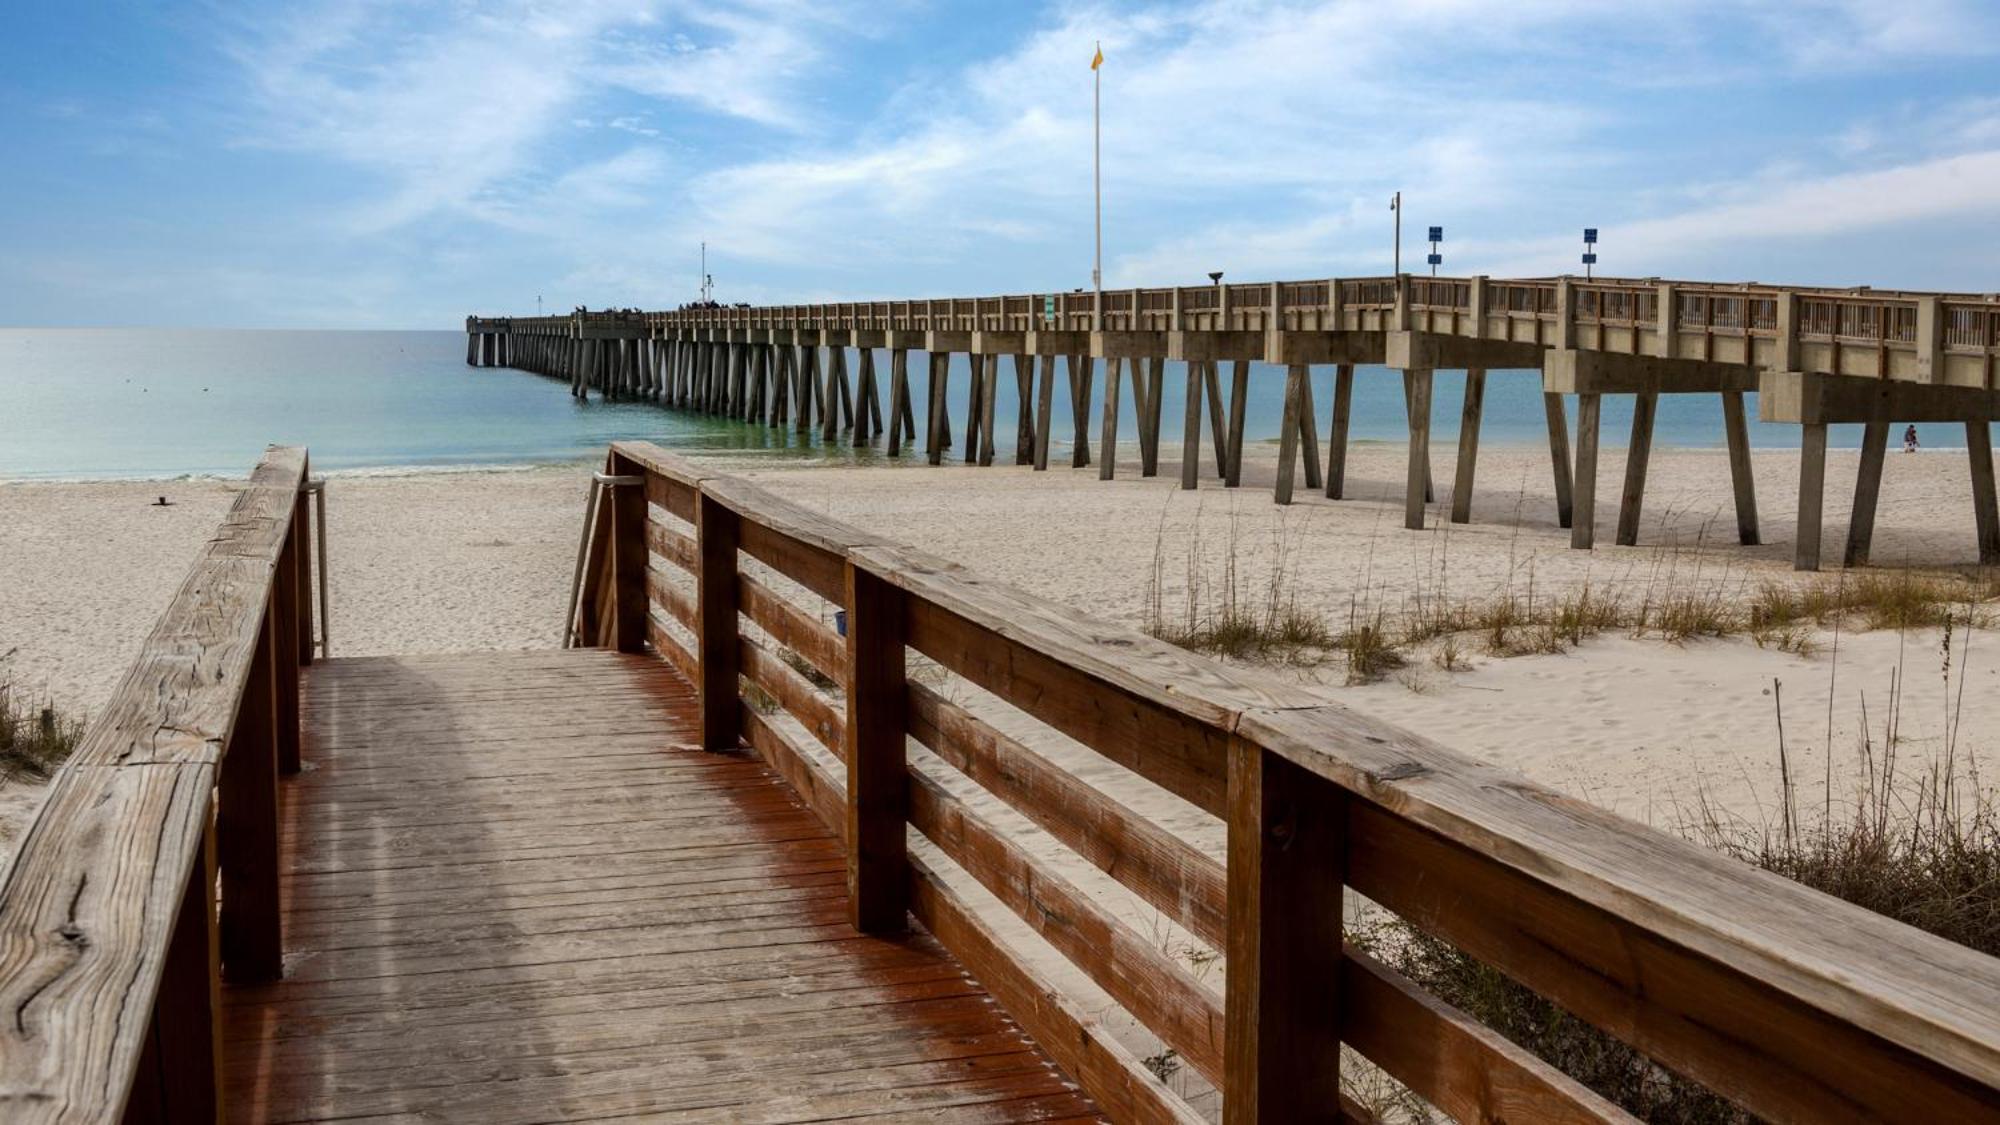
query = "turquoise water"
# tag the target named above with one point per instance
(114, 403)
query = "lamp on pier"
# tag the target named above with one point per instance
(1215, 277)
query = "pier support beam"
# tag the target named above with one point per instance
(1024, 406)
(1082, 373)
(1239, 401)
(1468, 445)
(1107, 467)
(1337, 427)
(1583, 520)
(1045, 399)
(1552, 406)
(1417, 490)
(1867, 487)
(1191, 425)
(1985, 515)
(1637, 453)
(1812, 495)
(1744, 484)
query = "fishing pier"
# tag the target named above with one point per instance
(779, 834)
(1815, 357)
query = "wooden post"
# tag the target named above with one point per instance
(1082, 373)
(628, 558)
(939, 425)
(1812, 492)
(976, 367)
(1417, 483)
(1108, 467)
(1239, 402)
(1309, 431)
(899, 396)
(1288, 435)
(1583, 520)
(1148, 441)
(180, 1069)
(1044, 412)
(989, 398)
(1468, 445)
(1024, 406)
(1287, 860)
(1986, 517)
(1410, 413)
(1343, 416)
(1645, 405)
(1191, 426)
(1552, 406)
(246, 826)
(302, 573)
(833, 384)
(285, 593)
(1156, 385)
(1867, 487)
(878, 804)
(716, 535)
(1218, 435)
(1738, 432)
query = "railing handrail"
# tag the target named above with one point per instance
(108, 936)
(1720, 969)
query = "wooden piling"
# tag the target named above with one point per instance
(1812, 494)
(1107, 466)
(1024, 398)
(1552, 408)
(1044, 412)
(1583, 520)
(1288, 435)
(1637, 453)
(1417, 482)
(1867, 487)
(1468, 446)
(1986, 517)
(1738, 432)
(1191, 427)
(1337, 451)
(1239, 395)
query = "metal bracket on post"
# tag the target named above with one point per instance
(316, 488)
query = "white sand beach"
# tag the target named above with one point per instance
(458, 561)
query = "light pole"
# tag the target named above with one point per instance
(1589, 251)
(1436, 259)
(1396, 205)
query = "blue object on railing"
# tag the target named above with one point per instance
(840, 621)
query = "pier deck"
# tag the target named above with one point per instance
(516, 891)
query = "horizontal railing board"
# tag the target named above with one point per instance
(1643, 916)
(1716, 918)
(90, 897)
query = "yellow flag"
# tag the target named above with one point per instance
(1098, 59)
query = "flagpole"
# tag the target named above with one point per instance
(1097, 178)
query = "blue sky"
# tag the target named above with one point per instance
(385, 164)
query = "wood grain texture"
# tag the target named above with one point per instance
(1165, 870)
(473, 954)
(1792, 1002)
(1140, 702)
(93, 894)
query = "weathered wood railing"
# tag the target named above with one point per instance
(1792, 1004)
(151, 873)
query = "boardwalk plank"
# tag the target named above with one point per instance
(517, 891)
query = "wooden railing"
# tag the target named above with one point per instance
(1792, 1004)
(151, 873)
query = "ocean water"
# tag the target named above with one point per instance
(152, 403)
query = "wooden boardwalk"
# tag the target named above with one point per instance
(516, 892)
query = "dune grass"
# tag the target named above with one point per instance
(34, 739)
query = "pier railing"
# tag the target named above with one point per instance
(1790, 1003)
(151, 873)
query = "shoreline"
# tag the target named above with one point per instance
(1443, 445)
(432, 561)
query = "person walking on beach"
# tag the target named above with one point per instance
(1910, 440)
